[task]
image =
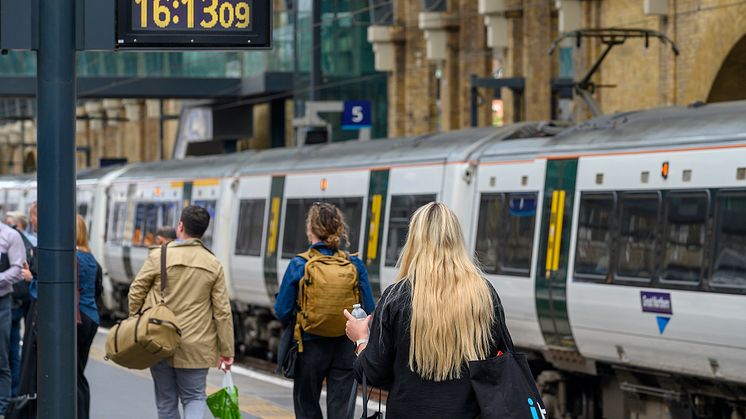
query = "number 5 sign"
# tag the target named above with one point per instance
(356, 115)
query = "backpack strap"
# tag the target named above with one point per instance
(164, 272)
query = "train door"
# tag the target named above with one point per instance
(506, 210)
(373, 243)
(409, 188)
(345, 189)
(551, 281)
(249, 213)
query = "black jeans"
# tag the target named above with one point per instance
(329, 358)
(86, 332)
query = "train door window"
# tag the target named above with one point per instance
(250, 227)
(684, 237)
(170, 212)
(505, 233)
(352, 208)
(210, 206)
(151, 224)
(488, 231)
(519, 234)
(119, 218)
(729, 267)
(402, 208)
(636, 246)
(294, 239)
(139, 230)
(593, 248)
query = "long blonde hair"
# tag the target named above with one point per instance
(452, 308)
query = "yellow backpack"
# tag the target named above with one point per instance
(329, 285)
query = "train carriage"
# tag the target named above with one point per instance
(618, 246)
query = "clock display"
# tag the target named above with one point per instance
(194, 24)
(180, 15)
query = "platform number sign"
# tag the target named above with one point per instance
(356, 115)
(168, 24)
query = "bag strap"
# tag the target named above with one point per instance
(503, 326)
(164, 272)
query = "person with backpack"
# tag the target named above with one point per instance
(196, 292)
(318, 284)
(440, 314)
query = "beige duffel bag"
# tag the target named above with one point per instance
(149, 336)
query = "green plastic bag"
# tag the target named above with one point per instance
(224, 403)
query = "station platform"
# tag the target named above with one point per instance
(120, 393)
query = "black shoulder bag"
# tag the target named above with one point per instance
(504, 385)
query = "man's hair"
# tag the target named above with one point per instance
(167, 232)
(195, 220)
(19, 219)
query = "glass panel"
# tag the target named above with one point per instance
(488, 231)
(684, 237)
(151, 223)
(118, 220)
(729, 269)
(519, 234)
(250, 227)
(209, 205)
(402, 208)
(637, 237)
(294, 240)
(593, 252)
(138, 232)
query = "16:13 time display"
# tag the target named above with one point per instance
(222, 15)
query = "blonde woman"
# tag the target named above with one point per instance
(440, 314)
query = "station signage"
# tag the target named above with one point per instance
(357, 114)
(194, 24)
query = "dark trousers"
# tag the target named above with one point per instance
(86, 332)
(323, 358)
(15, 348)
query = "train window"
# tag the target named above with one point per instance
(250, 227)
(294, 239)
(684, 237)
(593, 248)
(402, 208)
(505, 233)
(149, 217)
(637, 236)
(488, 231)
(209, 205)
(729, 268)
(118, 219)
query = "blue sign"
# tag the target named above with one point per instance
(357, 114)
(656, 302)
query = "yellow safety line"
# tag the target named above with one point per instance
(375, 220)
(558, 229)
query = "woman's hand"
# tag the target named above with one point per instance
(26, 273)
(356, 329)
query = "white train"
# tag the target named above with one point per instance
(618, 246)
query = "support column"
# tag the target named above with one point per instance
(57, 375)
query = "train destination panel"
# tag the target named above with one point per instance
(159, 24)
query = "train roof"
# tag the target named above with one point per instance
(708, 125)
(95, 174)
(189, 168)
(439, 147)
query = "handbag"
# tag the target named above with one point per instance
(147, 337)
(504, 385)
(287, 352)
(366, 396)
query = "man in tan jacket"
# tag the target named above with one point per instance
(196, 293)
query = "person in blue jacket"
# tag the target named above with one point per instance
(322, 357)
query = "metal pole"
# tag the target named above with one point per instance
(57, 354)
(316, 53)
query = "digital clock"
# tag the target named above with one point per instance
(201, 24)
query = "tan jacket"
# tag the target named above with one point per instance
(196, 293)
